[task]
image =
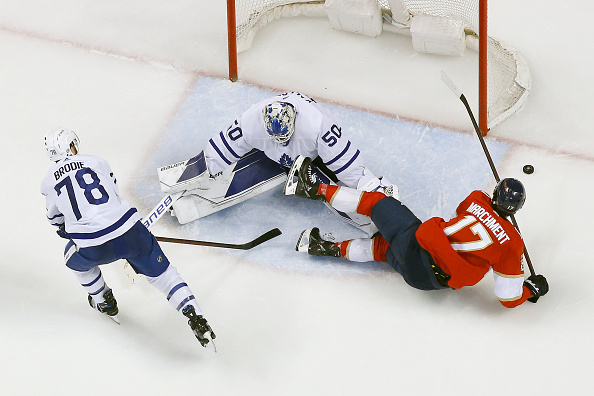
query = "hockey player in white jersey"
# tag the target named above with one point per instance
(83, 201)
(279, 128)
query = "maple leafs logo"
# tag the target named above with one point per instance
(285, 161)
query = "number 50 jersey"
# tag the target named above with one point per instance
(81, 193)
(316, 134)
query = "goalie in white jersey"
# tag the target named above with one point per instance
(282, 128)
(83, 201)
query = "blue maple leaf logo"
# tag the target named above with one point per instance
(285, 161)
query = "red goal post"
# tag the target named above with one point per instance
(444, 27)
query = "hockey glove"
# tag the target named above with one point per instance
(538, 286)
(61, 231)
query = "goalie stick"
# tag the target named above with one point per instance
(243, 246)
(446, 79)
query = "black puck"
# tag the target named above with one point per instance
(528, 169)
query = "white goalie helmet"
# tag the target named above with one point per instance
(58, 143)
(279, 121)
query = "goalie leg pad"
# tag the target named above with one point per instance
(185, 210)
(253, 174)
(360, 221)
(184, 175)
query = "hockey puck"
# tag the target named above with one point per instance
(528, 169)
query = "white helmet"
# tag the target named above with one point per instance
(58, 143)
(279, 121)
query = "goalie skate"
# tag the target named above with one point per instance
(291, 183)
(299, 183)
(303, 187)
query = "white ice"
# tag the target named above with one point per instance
(143, 84)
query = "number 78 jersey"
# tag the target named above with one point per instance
(316, 134)
(81, 193)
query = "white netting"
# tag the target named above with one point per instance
(252, 14)
(508, 74)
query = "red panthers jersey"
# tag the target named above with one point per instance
(477, 239)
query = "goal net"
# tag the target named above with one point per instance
(444, 27)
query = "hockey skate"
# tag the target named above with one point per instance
(199, 325)
(304, 187)
(108, 307)
(312, 243)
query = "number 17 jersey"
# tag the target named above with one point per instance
(473, 242)
(81, 193)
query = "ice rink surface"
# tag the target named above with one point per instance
(143, 84)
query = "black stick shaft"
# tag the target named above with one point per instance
(479, 133)
(480, 136)
(244, 246)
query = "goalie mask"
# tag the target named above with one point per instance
(279, 121)
(58, 144)
(508, 197)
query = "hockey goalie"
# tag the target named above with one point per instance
(255, 152)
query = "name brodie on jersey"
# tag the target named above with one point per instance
(489, 221)
(68, 167)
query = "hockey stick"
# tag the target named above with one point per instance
(479, 133)
(161, 208)
(244, 246)
(153, 216)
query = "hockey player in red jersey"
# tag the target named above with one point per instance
(434, 254)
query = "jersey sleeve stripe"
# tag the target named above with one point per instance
(227, 145)
(511, 299)
(508, 276)
(105, 231)
(60, 216)
(339, 156)
(336, 172)
(214, 146)
(508, 288)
